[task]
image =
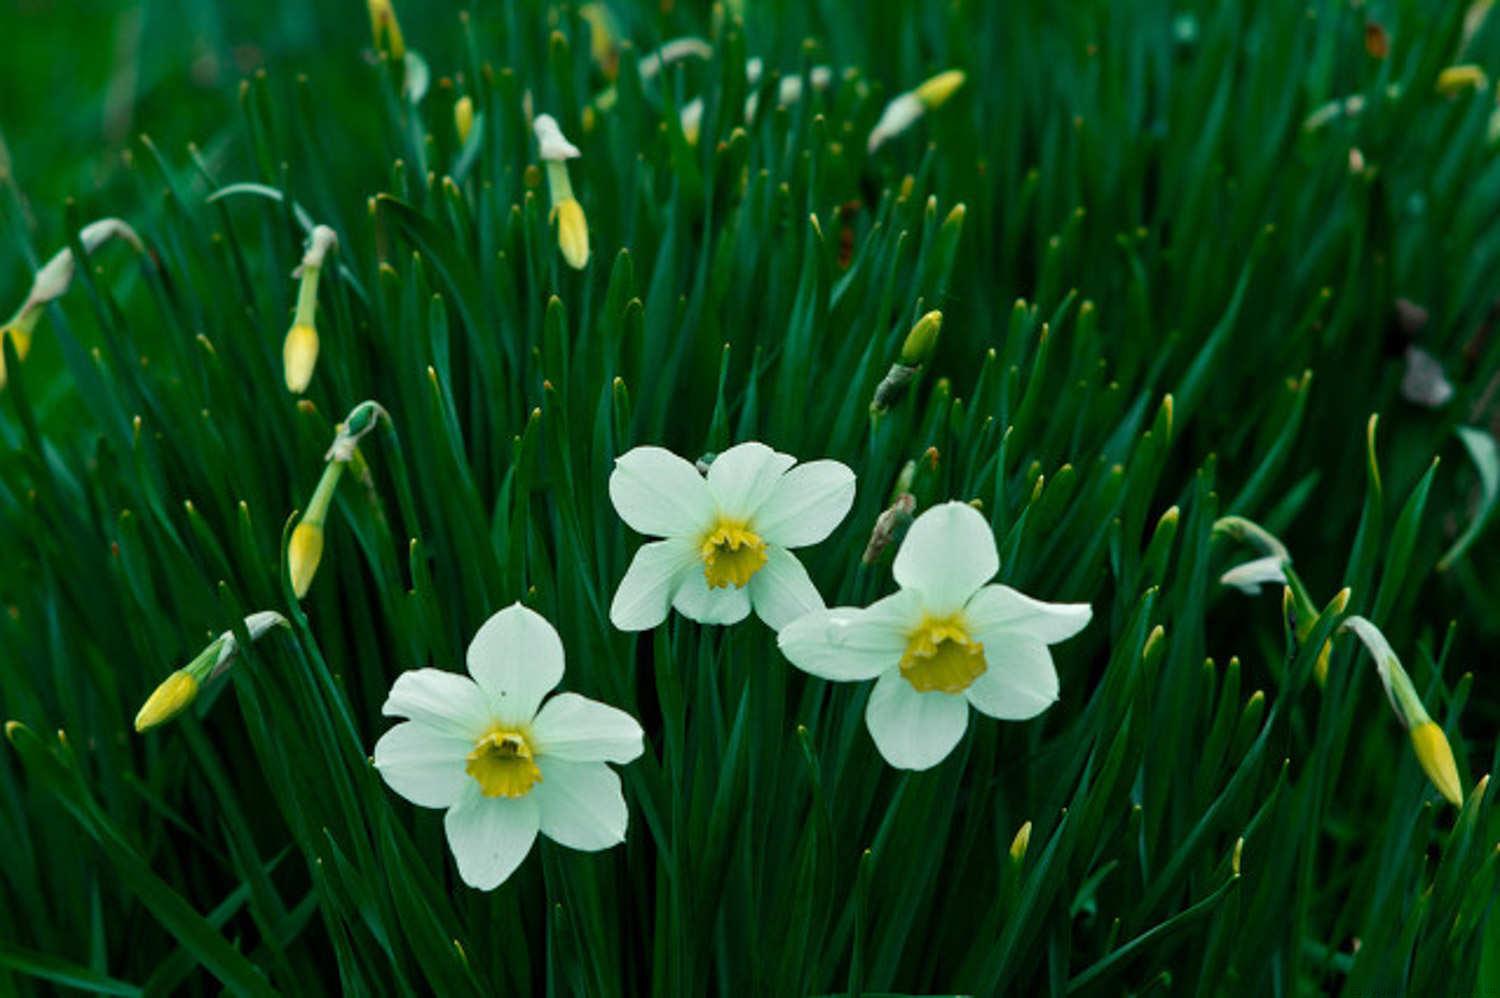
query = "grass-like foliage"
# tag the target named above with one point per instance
(1193, 261)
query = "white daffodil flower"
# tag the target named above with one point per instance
(946, 640)
(503, 768)
(728, 537)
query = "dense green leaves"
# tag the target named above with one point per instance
(1165, 299)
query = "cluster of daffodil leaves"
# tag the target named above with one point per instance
(507, 759)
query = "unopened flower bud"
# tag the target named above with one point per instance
(1435, 756)
(463, 118)
(922, 340)
(168, 700)
(177, 692)
(1020, 843)
(904, 110)
(299, 351)
(1456, 79)
(1428, 740)
(386, 30)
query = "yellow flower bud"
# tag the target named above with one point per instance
(922, 339)
(1455, 79)
(168, 700)
(303, 553)
(572, 233)
(386, 30)
(1320, 667)
(1019, 844)
(18, 330)
(1436, 757)
(299, 355)
(602, 45)
(463, 117)
(934, 93)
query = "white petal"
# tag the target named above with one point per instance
(848, 643)
(576, 729)
(725, 605)
(1000, 610)
(1380, 650)
(744, 476)
(914, 730)
(490, 836)
(581, 804)
(423, 764)
(645, 594)
(897, 117)
(446, 701)
(659, 494)
(781, 591)
(517, 658)
(1019, 680)
(1249, 577)
(948, 553)
(808, 502)
(550, 139)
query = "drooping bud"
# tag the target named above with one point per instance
(305, 547)
(52, 281)
(1428, 739)
(177, 692)
(168, 700)
(904, 110)
(572, 226)
(299, 351)
(1435, 756)
(303, 554)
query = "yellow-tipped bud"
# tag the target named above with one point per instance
(1456, 79)
(922, 339)
(1320, 667)
(19, 334)
(18, 330)
(168, 700)
(463, 117)
(572, 233)
(1436, 757)
(1019, 844)
(602, 45)
(934, 93)
(303, 553)
(386, 30)
(299, 355)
